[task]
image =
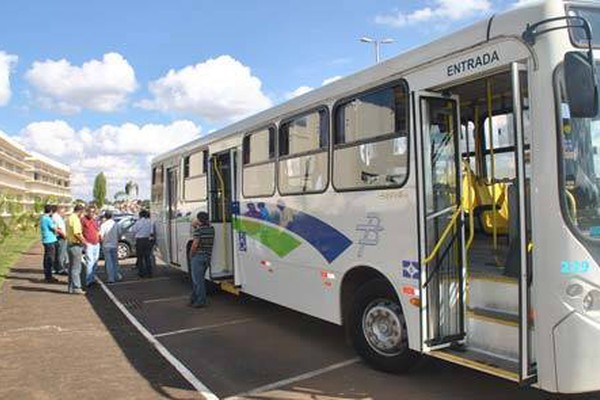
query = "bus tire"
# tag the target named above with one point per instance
(378, 328)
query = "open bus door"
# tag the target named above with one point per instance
(441, 243)
(172, 183)
(476, 298)
(223, 198)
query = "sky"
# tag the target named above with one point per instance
(107, 85)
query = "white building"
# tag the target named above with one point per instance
(26, 176)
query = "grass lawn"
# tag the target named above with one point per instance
(11, 249)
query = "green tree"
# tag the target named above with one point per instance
(100, 189)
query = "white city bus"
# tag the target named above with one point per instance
(444, 202)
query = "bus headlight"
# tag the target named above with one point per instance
(574, 290)
(591, 301)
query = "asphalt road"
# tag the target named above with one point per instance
(247, 348)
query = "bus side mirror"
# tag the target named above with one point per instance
(582, 89)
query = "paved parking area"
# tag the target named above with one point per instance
(241, 347)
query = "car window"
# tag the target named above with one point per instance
(126, 223)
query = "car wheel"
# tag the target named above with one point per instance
(123, 251)
(378, 328)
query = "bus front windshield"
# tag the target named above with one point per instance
(579, 159)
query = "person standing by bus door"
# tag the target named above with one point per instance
(200, 253)
(143, 230)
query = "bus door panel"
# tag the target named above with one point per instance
(442, 252)
(222, 197)
(172, 190)
(527, 361)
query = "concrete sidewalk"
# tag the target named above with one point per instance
(54, 345)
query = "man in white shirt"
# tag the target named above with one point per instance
(109, 235)
(61, 258)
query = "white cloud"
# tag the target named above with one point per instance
(442, 10)
(147, 139)
(99, 85)
(122, 152)
(52, 138)
(305, 89)
(521, 3)
(219, 89)
(331, 80)
(7, 62)
(298, 92)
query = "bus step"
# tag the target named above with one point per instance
(494, 333)
(480, 361)
(494, 293)
(229, 287)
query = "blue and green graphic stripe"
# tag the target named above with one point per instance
(274, 238)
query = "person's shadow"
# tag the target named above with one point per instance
(39, 289)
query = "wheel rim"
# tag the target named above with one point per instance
(122, 251)
(383, 328)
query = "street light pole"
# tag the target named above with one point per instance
(377, 44)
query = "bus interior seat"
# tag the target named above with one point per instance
(478, 197)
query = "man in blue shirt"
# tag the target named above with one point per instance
(49, 240)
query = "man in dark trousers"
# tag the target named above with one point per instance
(200, 253)
(48, 233)
(143, 229)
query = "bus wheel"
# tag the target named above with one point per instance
(378, 328)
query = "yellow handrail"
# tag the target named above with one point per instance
(470, 177)
(572, 204)
(217, 168)
(445, 234)
(471, 210)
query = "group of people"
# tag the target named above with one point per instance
(68, 244)
(76, 240)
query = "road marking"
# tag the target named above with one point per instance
(160, 278)
(178, 365)
(206, 327)
(164, 299)
(285, 382)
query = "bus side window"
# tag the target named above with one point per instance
(371, 140)
(258, 159)
(157, 184)
(194, 177)
(303, 158)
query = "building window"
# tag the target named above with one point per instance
(303, 158)
(258, 150)
(371, 140)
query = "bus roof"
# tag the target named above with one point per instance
(510, 23)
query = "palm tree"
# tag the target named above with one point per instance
(130, 188)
